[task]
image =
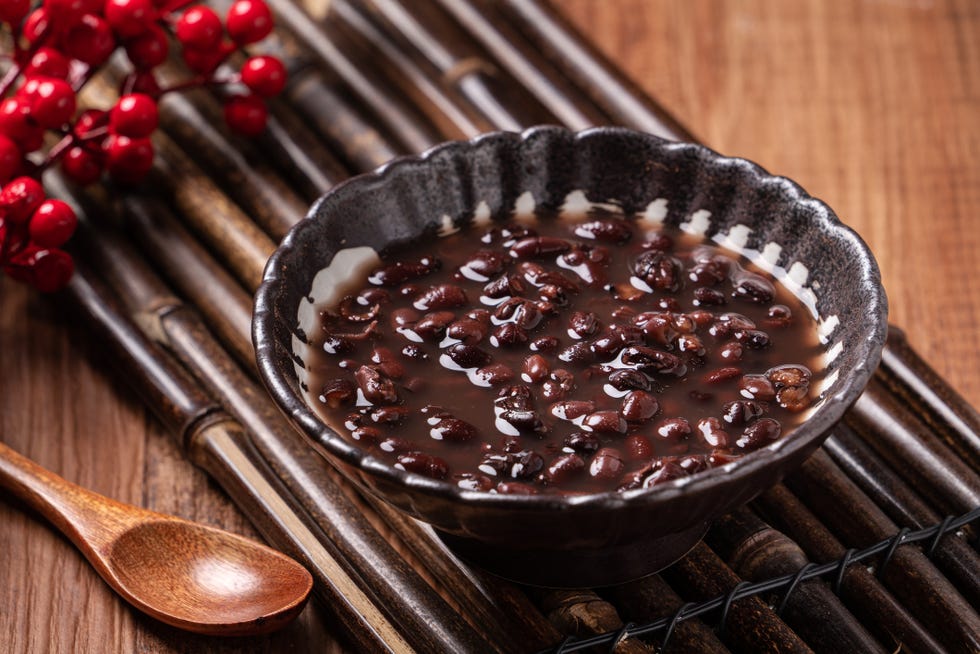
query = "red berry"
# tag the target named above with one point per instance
(13, 11)
(135, 115)
(249, 21)
(15, 123)
(146, 83)
(90, 40)
(81, 165)
(199, 28)
(265, 76)
(12, 237)
(21, 198)
(89, 120)
(205, 61)
(51, 100)
(246, 114)
(9, 159)
(47, 62)
(52, 224)
(149, 49)
(72, 8)
(129, 160)
(36, 25)
(129, 18)
(51, 269)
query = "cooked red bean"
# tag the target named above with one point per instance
(607, 464)
(788, 375)
(711, 431)
(539, 246)
(467, 330)
(452, 430)
(624, 380)
(534, 369)
(757, 387)
(561, 469)
(754, 288)
(611, 231)
(572, 409)
(423, 464)
(741, 412)
(605, 422)
(582, 441)
(638, 447)
(390, 415)
(432, 326)
(638, 406)
(338, 393)
(507, 335)
(376, 388)
(402, 271)
(759, 433)
(495, 374)
(467, 356)
(441, 296)
(673, 429)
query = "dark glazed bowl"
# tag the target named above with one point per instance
(609, 537)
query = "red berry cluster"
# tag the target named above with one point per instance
(58, 45)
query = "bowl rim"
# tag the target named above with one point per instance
(819, 423)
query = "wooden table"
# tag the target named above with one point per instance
(872, 106)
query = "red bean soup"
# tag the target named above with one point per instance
(578, 354)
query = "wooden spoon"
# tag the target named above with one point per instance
(185, 574)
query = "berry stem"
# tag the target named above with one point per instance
(8, 80)
(57, 151)
(175, 5)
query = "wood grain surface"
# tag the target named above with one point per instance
(872, 106)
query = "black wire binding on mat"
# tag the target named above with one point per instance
(624, 632)
(897, 540)
(846, 561)
(939, 535)
(677, 617)
(792, 586)
(745, 589)
(734, 594)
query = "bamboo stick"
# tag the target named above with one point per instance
(582, 613)
(429, 36)
(751, 625)
(592, 73)
(757, 552)
(194, 120)
(651, 598)
(188, 267)
(860, 590)
(952, 554)
(918, 455)
(415, 78)
(525, 64)
(333, 51)
(909, 575)
(909, 377)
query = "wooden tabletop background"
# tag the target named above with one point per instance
(872, 106)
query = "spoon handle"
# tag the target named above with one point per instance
(70, 508)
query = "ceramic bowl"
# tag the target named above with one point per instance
(605, 538)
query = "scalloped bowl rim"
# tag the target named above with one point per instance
(819, 423)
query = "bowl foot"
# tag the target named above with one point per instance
(582, 568)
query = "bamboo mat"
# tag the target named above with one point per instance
(802, 91)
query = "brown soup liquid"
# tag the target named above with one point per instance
(570, 355)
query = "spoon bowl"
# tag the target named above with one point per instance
(187, 575)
